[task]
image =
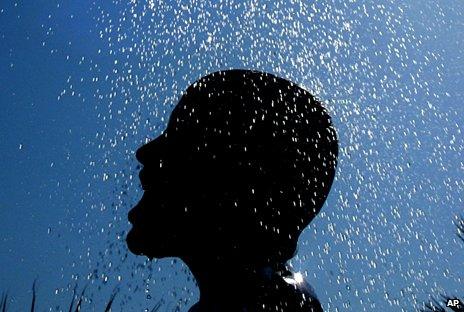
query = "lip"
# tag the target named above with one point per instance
(146, 187)
(131, 217)
(142, 177)
(136, 213)
(143, 180)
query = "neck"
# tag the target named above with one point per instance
(220, 280)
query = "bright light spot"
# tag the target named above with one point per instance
(297, 278)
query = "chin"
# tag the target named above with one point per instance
(139, 245)
(133, 242)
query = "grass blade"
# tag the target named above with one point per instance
(79, 303)
(157, 305)
(72, 299)
(108, 306)
(4, 301)
(33, 296)
(460, 225)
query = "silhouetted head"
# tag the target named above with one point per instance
(245, 163)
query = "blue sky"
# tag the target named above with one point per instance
(83, 84)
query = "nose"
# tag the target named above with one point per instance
(151, 149)
(142, 154)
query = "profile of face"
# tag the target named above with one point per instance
(245, 163)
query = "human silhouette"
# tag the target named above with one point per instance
(245, 163)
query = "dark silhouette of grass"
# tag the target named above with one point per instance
(433, 306)
(72, 300)
(110, 302)
(79, 302)
(77, 308)
(157, 306)
(4, 301)
(436, 305)
(33, 295)
(460, 226)
(74, 306)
